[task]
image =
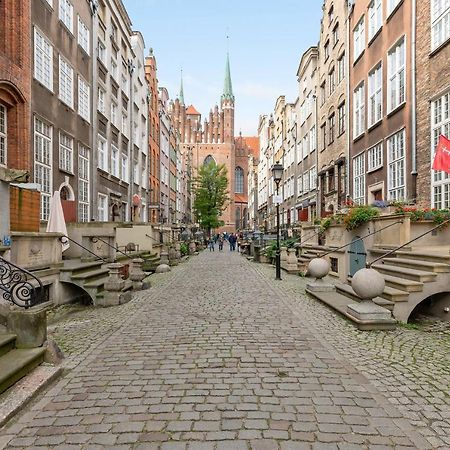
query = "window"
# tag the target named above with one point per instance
(326, 50)
(43, 163)
(440, 124)
(83, 35)
(440, 22)
(84, 102)
(331, 126)
(114, 161)
(359, 179)
(3, 135)
(124, 167)
(66, 14)
(322, 93)
(359, 41)
(375, 95)
(323, 133)
(341, 68)
(336, 34)
(396, 75)
(83, 184)
(332, 81)
(114, 70)
(331, 14)
(125, 81)
(124, 123)
(43, 60)
(102, 153)
(358, 113)
(165, 179)
(101, 49)
(114, 113)
(65, 153)
(306, 182)
(392, 4)
(312, 178)
(375, 157)
(299, 185)
(65, 82)
(312, 139)
(101, 105)
(396, 166)
(239, 180)
(375, 17)
(102, 208)
(341, 119)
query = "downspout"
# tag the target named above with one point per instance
(347, 107)
(413, 103)
(130, 66)
(94, 121)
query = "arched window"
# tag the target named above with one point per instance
(209, 159)
(239, 180)
(238, 219)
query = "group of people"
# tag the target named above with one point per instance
(220, 239)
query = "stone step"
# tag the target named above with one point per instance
(405, 272)
(425, 256)
(347, 290)
(78, 267)
(403, 284)
(91, 275)
(418, 265)
(394, 295)
(95, 284)
(7, 343)
(17, 363)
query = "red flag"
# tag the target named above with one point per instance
(442, 155)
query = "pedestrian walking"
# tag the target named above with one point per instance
(221, 243)
(211, 244)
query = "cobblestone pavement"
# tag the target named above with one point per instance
(217, 355)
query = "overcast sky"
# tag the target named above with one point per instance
(267, 39)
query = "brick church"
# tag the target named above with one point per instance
(213, 139)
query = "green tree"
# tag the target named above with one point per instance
(210, 189)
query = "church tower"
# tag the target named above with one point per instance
(227, 105)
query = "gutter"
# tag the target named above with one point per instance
(413, 101)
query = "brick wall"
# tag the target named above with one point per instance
(24, 209)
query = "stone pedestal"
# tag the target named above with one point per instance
(283, 256)
(164, 255)
(367, 310)
(113, 287)
(319, 268)
(192, 248)
(173, 261)
(137, 275)
(292, 263)
(29, 325)
(178, 251)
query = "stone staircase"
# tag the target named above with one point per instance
(151, 261)
(410, 277)
(16, 363)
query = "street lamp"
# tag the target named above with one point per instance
(277, 173)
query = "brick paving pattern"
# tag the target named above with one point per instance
(216, 355)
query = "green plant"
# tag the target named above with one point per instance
(326, 223)
(184, 249)
(271, 249)
(359, 215)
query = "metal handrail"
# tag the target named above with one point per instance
(390, 252)
(151, 237)
(95, 239)
(360, 239)
(16, 287)
(82, 246)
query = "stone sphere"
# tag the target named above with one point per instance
(368, 283)
(163, 268)
(318, 268)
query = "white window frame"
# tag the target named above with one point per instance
(375, 94)
(83, 36)
(359, 179)
(3, 135)
(341, 118)
(440, 124)
(341, 68)
(306, 181)
(359, 110)
(396, 161)
(359, 39)
(124, 175)
(66, 14)
(43, 59)
(101, 100)
(101, 51)
(65, 152)
(391, 5)
(375, 157)
(312, 178)
(83, 184)
(43, 151)
(375, 17)
(102, 208)
(114, 110)
(396, 75)
(115, 161)
(66, 83)
(84, 99)
(440, 23)
(299, 185)
(312, 139)
(102, 153)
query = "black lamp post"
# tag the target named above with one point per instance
(277, 173)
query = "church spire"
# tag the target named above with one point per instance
(181, 89)
(227, 87)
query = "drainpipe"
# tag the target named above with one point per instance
(131, 68)
(93, 188)
(347, 106)
(413, 103)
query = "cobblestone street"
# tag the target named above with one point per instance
(217, 355)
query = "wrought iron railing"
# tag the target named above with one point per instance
(95, 239)
(391, 252)
(19, 286)
(361, 238)
(64, 239)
